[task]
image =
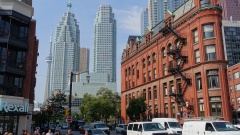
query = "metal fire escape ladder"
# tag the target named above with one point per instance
(177, 54)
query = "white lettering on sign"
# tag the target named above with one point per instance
(7, 107)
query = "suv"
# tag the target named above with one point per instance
(120, 127)
(100, 125)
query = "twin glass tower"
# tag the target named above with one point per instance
(64, 53)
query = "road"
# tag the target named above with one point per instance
(64, 132)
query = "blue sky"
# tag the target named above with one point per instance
(49, 12)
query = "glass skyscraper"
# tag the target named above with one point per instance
(231, 40)
(65, 54)
(144, 21)
(158, 8)
(105, 42)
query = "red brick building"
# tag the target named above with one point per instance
(179, 65)
(234, 85)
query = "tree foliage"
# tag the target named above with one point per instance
(137, 107)
(100, 107)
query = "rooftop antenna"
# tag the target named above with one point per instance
(69, 5)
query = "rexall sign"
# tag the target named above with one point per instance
(9, 107)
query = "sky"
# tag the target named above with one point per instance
(48, 13)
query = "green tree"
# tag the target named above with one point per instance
(55, 108)
(136, 108)
(101, 106)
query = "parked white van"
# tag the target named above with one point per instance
(146, 128)
(170, 124)
(209, 128)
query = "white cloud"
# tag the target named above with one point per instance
(129, 19)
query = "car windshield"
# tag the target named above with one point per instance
(97, 132)
(100, 125)
(174, 125)
(152, 127)
(224, 126)
(125, 127)
(86, 127)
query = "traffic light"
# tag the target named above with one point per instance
(67, 112)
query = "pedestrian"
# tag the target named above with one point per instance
(26, 132)
(10, 134)
(69, 132)
(86, 132)
(6, 133)
(49, 132)
(43, 133)
(23, 132)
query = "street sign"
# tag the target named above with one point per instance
(69, 119)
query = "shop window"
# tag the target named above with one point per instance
(210, 52)
(197, 56)
(195, 36)
(201, 107)
(213, 81)
(208, 31)
(236, 75)
(198, 81)
(166, 110)
(216, 106)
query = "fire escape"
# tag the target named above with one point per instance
(180, 59)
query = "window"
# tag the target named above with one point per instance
(126, 85)
(171, 64)
(149, 60)
(164, 69)
(163, 52)
(169, 47)
(216, 106)
(154, 58)
(129, 71)
(179, 86)
(236, 75)
(208, 31)
(137, 73)
(213, 79)
(201, 107)
(205, 3)
(197, 56)
(232, 101)
(155, 92)
(230, 89)
(155, 73)
(165, 89)
(144, 94)
(132, 70)
(144, 63)
(166, 110)
(195, 36)
(237, 87)
(135, 127)
(210, 52)
(144, 77)
(198, 81)
(155, 111)
(149, 75)
(126, 99)
(171, 85)
(149, 94)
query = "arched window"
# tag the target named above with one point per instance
(144, 63)
(154, 58)
(133, 70)
(129, 71)
(169, 47)
(163, 52)
(149, 60)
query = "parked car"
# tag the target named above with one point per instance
(100, 125)
(64, 126)
(84, 128)
(209, 127)
(96, 132)
(120, 127)
(124, 130)
(170, 124)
